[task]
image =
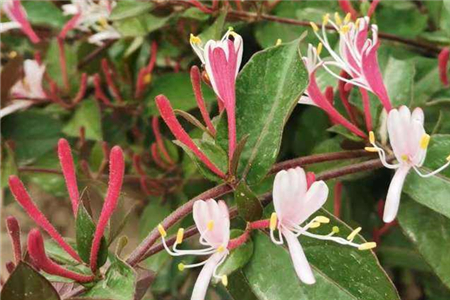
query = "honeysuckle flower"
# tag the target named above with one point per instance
(409, 142)
(213, 223)
(294, 203)
(222, 60)
(30, 86)
(18, 19)
(314, 95)
(357, 54)
(91, 15)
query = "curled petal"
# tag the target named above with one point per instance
(203, 279)
(394, 192)
(301, 265)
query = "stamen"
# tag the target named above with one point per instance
(314, 225)
(424, 141)
(221, 249)
(147, 78)
(161, 230)
(210, 225)
(357, 23)
(181, 267)
(314, 26)
(371, 137)
(322, 219)
(337, 18)
(370, 149)
(319, 48)
(352, 235)
(448, 158)
(225, 280)
(103, 23)
(325, 19)
(345, 29)
(180, 235)
(278, 43)
(347, 18)
(367, 246)
(335, 229)
(195, 39)
(404, 157)
(273, 221)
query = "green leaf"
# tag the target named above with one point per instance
(27, 284)
(8, 165)
(38, 13)
(341, 272)
(215, 154)
(33, 132)
(438, 151)
(214, 32)
(53, 64)
(129, 9)
(342, 131)
(85, 229)
(410, 21)
(195, 14)
(399, 78)
(87, 115)
(445, 17)
(140, 26)
(177, 88)
(238, 257)
(249, 207)
(430, 232)
(119, 283)
(268, 87)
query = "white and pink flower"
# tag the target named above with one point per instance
(213, 223)
(18, 19)
(222, 60)
(295, 199)
(409, 143)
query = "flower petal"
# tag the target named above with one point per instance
(301, 265)
(394, 192)
(203, 279)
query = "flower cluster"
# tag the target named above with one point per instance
(35, 241)
(296, 196)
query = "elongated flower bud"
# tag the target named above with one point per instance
(442, 64)
(116, 172)
(14, 233)
(68, 168)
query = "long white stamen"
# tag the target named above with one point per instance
(280, 237)
(431, 173)
(338, 240)
(222, 260)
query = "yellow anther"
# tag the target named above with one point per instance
(335, 229)
(230, 28)
(225, 280)
(314, 26)
(325, 19)
(221, 249)
(367, 246)
(352, 235)
(347, 18)
(448, 158)
(345, 29)
(161, 230)
(210, 225)
(357, 23)
(404, 157)
(371, 149)
(12, 54)
(273, 221)
(195, 39)
(314, 225)
(322, 219)
(337, 18)
(103, 23)
(147, 78)
(180, 235)
(424, 141)
(319, 48)
(278, 42)
(372, 137)
(181, 267)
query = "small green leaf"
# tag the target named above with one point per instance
(430, 232)
(341, 130)
(214, 32)
(119, 283)
(140, 26)
(177, 88)
(195, 14)
(87, 115)
(27, 284)
(129, 9)
(399, 78)
(53, 64)
(238, 257)
(85, 229)
(38, 13)
(249, 207)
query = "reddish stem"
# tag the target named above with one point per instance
(68, 169)
(372, 7)
(337, 199)
(21, 195)
(200, 6)
(366, 105)
(62, 62)
(69, 26)
(12, 225)
(81, 91)
(116, 173)
(160, 141)
(40, 259)
(157, 158)
(99, 94)
(109, 80)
